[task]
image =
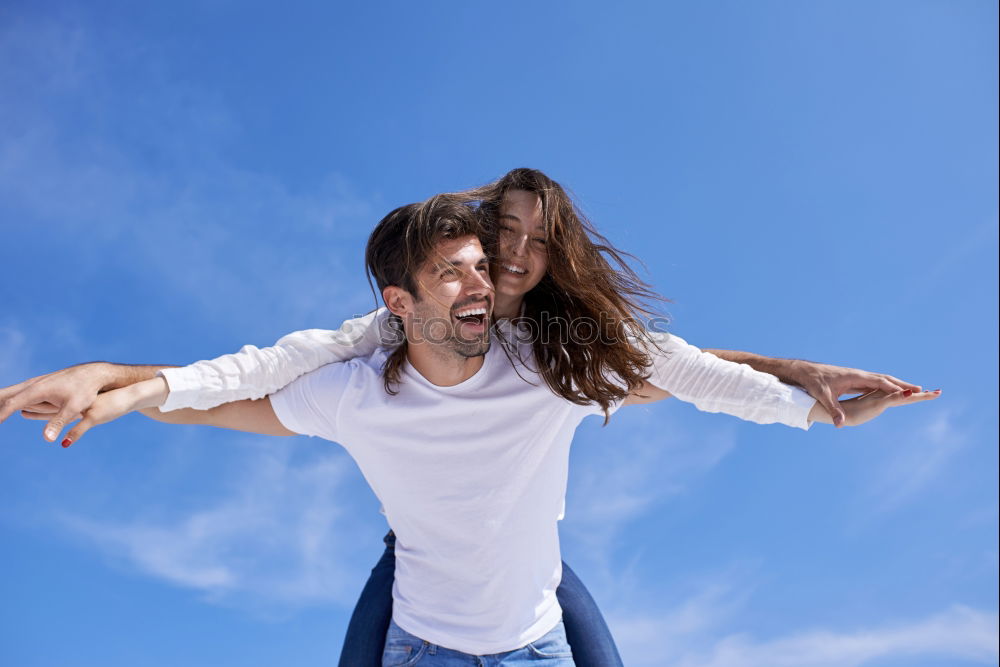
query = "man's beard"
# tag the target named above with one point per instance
(470, 347)
(446, 335)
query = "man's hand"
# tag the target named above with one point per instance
(111, 405)
(866, 407)
(63, 396)
(828, 383)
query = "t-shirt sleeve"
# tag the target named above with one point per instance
(257, 372)
(311, 405)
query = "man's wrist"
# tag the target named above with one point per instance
(117, 376)
(786, 370)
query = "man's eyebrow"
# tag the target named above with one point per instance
(455, 263)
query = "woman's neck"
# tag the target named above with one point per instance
(506, 307)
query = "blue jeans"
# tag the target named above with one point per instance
(403, 650)
(586, 630)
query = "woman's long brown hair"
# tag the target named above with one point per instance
(585, 316)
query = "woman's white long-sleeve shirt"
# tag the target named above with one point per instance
(710, 383)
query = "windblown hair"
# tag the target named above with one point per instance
(588, 283)
(401, 243)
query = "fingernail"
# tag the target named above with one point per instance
(907, 393)
(67, 442)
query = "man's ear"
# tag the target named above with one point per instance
(397, 300)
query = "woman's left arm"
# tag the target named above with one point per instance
(824, 382)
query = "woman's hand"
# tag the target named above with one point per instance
(866, 407)
(111, 405)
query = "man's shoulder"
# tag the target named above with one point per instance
(357, 366)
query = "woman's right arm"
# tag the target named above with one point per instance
(253, 373)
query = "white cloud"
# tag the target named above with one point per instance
(917, 459)
(142, 178)
(15, 354)
(694, 633)
(958, 633)
(280, 536)
(615, 483)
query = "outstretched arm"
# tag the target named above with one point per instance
(63, 396)
(823, 382)
(714, 384)
(257, 372)
(855, 411)
(255, 416)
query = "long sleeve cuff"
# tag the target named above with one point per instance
(797, 408)
(183, 384)
(716, 385)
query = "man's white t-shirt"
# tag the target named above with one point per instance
(472, 479)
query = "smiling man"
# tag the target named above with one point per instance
(469, 460)
(463, 443)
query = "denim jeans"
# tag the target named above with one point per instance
(404, 650)
(585, 628)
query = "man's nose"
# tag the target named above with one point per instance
(479, 283)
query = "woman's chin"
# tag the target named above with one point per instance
(509, 291)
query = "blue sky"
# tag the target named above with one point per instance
(810, 179)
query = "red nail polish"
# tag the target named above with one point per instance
(906, 394)
(67, 442)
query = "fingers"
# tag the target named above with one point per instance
(63, 419)
(902, 384)
(883, 383)
(41, 408)
(77, 431)
(829, 401)
(906, 396)
(16, 400)
(44, 415)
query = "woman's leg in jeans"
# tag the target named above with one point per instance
(365, 638)
(586, 631)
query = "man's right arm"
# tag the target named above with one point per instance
(63, 396)
(254, 416)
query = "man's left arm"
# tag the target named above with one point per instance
(823, 382)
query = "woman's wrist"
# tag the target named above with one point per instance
(819, 414)
(148, 393)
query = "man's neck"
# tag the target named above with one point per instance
(441, 367)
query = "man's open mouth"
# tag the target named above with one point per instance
(475, 315)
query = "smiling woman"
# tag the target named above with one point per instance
(430, 266)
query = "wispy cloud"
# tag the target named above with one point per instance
(279, 535)
(693, 633)
(959, 633)
(918, 458)
(143, 182)
(621, 474)
(616, 482)
(15, 353)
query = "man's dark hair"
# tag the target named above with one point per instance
(403, 241)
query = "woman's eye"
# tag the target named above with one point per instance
(539, 240)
